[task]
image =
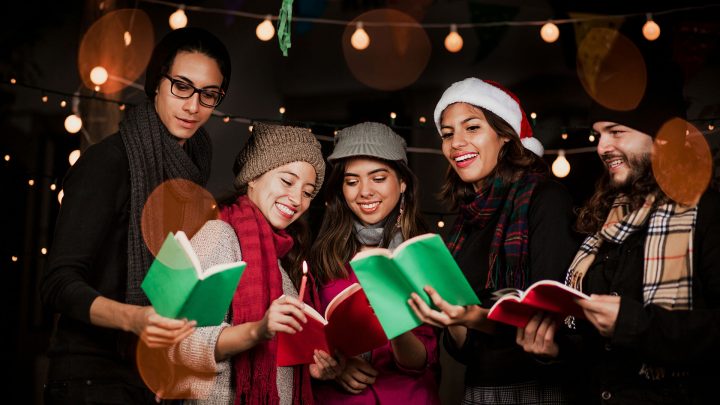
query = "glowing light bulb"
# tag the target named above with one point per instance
(561, 166)
(53, 187)
(265, 30)
(61, 194)
(441, 224)
(63, 104)
(178, 19)
(31, 182)
(121, 107)
(98, 75)
(711, 127)
(226, 119)
(127, 38)
(453, 41)
(250, 128)
(591, 138)
(422, 120)
(533, 115)
(360, 39)
(549, 32)
(13, 81)
(73, 123)
(74, 156)
(564, 135)
(282, 110)
(43, 251)
(651, 31)
(7, 158)
(393, 115)
(44, 99)
(14, 258)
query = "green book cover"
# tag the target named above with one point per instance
(389, 278)
(178, 287)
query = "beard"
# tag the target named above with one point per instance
(640, 170)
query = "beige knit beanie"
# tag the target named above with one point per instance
(271, 146)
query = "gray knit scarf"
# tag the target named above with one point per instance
(154, 156)
(372, 235)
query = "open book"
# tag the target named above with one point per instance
(349, 327)
(389, 278)
(178, 287)
(515, 307)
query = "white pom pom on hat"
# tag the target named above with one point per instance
(495, 98)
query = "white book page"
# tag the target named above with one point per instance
(387, 253)
(190, 252)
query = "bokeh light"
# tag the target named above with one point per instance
(73, 123)
(549, 32)
(682, 162)
(165, 377)
(611, 69)
(265, 30)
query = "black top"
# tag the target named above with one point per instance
(89, 259)
(685, 343)
(496, 359)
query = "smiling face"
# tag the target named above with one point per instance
(283, 194)
(183, 117)
(469, 143)
(624, 151)
(371, 189)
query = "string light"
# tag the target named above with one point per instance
(13, 81)
(63, 104)
(97, 88)
(360, 40)
(561, 166)
(533, 115)
(121, 107)
(74, 156)
(43, 251)
(265, 30)
(53, 187)
(127, 38)
(44, 98)
(591, 138)
(564, 135)
(178, 19)
(98, 75)
(549, 32)
(711, 127)
(7, 158)
(61, 194)
(651, 31)
(31, 182)
(441, 224)
(453, 41)
(282, 110)
(422, 120)
(14, 258)
(250, 128)
(226, 119)
(73, 123)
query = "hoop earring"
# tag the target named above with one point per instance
(402, 209)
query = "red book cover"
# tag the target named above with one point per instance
(350, 327)
(516, 307)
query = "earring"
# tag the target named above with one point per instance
(402, 209)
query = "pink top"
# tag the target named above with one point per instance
(394, 384)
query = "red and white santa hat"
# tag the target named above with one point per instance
(495, 98)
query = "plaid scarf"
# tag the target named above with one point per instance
(509, 249)
(261, 283)
(668, 257)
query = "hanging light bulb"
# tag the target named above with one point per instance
(7, 158)
(53, 187)
(265, 30)
(44, 98)
(453, 41)
(441, 224)
(533, 115)
(651, 30)
(63, 103)
(127, 38)
(98, 75)
(561, 166)
(178, 19)
(360, 39)
(549, 32)
(74, 156)
(73, 123)
(591, 138)
(564, 135)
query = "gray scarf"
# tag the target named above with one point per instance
(372, 235)
(154, 156)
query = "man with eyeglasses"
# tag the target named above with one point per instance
(99, 255)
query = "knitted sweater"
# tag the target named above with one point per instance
(216, 243)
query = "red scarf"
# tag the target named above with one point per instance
(261, 283)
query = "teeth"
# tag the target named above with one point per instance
(369, 206)
(285, 209)
(465, 157)
(614, 163)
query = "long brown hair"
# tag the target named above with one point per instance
(335, 245)
(592, 216)
(513, 161)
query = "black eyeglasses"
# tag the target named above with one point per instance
(208, 97)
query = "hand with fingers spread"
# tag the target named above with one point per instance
(538, 336)
(284, 315)
(472, 316)
(602, 312)
(325, 366)
(157, 331)
(357, 375)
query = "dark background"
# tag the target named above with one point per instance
(39, 47)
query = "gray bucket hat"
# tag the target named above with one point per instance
(369, 139)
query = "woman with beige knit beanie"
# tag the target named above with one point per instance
(277, 174)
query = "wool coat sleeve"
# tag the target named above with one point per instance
(682, 338)
(81, 265)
